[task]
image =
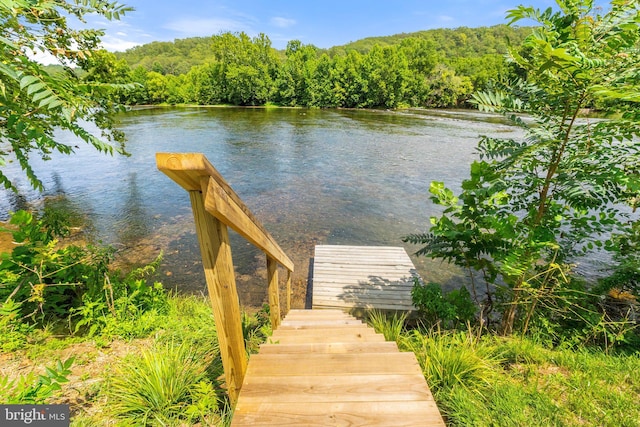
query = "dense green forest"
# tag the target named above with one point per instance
(435, 68)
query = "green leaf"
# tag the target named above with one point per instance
(8, 71)
(49, 101)
(28, 80)
(35, 87)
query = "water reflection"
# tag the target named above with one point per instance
(133, 223)
(57, 188)
(58, 203)
(15, 201)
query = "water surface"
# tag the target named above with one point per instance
(311, 176)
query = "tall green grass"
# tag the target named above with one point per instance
(496, 381)
(391, 326)
(164, 385)
(452, 360)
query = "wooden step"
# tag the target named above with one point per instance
(333, 364)
(327, 369)
(338, 388)
(345, 347)
(325, 335)
(314, 323)
(353, 414)
(317, 314)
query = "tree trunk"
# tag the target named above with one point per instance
(509, 316)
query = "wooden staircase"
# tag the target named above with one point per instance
(326, 368)
(320, 367)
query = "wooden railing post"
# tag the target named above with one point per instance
(288, 291)
(274, 297)
(221, 284)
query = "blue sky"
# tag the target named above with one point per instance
(323, 23)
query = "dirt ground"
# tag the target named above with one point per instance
(6, 239)
(91, 366)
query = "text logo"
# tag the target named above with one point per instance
(34, 415)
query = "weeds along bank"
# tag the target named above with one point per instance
(488, 380)
(125, 352)
(114, 346)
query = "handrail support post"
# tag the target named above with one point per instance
(274, 296)
(213, 238)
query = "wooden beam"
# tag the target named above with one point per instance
(221, 205)
(186, 169)
(274, 296)
(288, 291)
(221, 284)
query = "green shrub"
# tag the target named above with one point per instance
(45, 278)
(127, 308)
(452, 309)
(13, 329)
(30, 389)
(51, 282)
(163, 385)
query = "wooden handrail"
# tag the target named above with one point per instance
(215, 207)
(188, 169)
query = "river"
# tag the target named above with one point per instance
(311, 176)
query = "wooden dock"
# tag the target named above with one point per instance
(359, 277)
(325, 368)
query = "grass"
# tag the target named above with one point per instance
(451, 360)
(496, 381)
(390, 326)
(172, 377)
(166, 384)
(516, 382)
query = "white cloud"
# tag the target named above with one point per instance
(116, 44)
(445, 18)
(44, 58)
(206, 27)
(281, 22)
(118, 35)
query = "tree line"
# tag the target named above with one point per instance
(440, 68)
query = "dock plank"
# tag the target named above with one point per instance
(362, 277)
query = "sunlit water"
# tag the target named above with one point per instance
(311, 176)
